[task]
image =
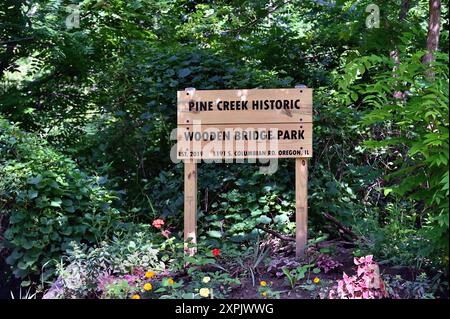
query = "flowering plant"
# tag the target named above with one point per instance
(366, 284)
(265, 290)
(216, 252)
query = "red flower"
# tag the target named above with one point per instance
(158, 223)
(216, 252)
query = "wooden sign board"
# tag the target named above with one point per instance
(269, 123)
(235, 124)
(244, 141)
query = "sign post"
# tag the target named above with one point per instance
(218, 125)
(301, 205)
(190, 204)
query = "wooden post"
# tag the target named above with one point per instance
(190, 205)
(301, 206)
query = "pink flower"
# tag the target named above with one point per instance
(166, 233)
(158, 223)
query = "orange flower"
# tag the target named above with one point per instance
(135, 297)
(150, 274)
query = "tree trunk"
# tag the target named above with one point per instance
(434, 25)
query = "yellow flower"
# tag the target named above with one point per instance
(206, 279)
(316, 280)
(263, 283)
(264, 294)
(148, 286)
(170, 281)
(204, 292)
(135, 297)
(150, 274)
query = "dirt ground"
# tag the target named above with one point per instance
(343, 254)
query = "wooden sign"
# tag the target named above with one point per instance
(271, 123)
(244, 141)
(236, 124)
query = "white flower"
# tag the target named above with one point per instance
(204, 292)
(206, 279)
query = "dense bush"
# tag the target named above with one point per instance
(46, 202)
(407, 115)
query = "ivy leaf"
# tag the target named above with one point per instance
(35, 180)
(56, 202)
(32, 193)
(184, 72)
(264, 219)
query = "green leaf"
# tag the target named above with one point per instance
(32, 194)
(214, 234)
(56, 202)
(184, 72)
(35, 180)
(264, 219)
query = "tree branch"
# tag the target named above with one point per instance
(274, 233)
(341, 226)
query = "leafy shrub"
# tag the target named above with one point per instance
(327, 263)
(46, 202)
(407, 120)
(420, 288)
(397, 242)
(277, 266)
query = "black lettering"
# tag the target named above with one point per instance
(188, 136)
(278, 104)
(300, 135)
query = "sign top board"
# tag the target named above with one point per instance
(245, 106)
(269, 123)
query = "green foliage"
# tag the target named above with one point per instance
(408, 117)
(420, 288)
(103, 97)
(296, 275)
(46, 202)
